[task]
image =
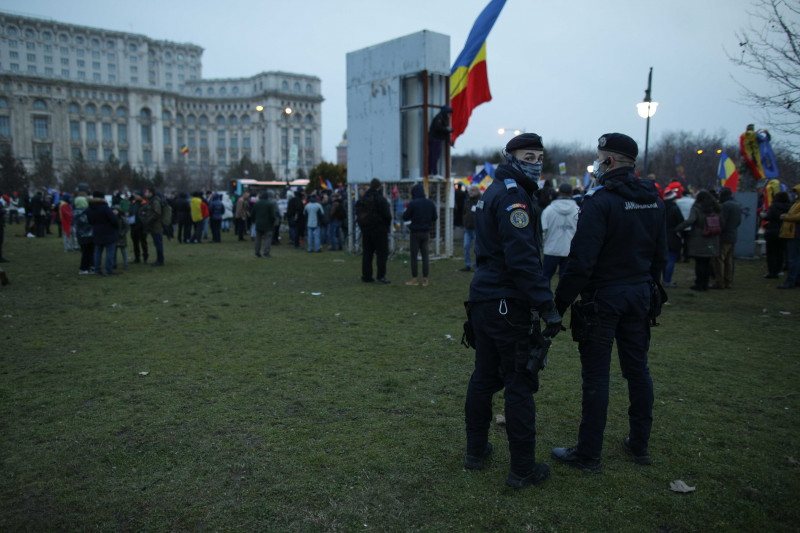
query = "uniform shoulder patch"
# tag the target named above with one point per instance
(516, 206)
(519, 218)
(510, 184)
(593, 190)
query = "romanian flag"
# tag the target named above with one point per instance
(322, 184)
(727, 173)
(185, 150)
(469, 84)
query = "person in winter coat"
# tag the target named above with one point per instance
(791, 232)
(122, 240)
(216, 211)
(559, 222)
(183, 217)
(674, 240)
(730, 219)
(84, 232)
(703, 248)
(375, 220)
(337, 218)
(240, 220)
(226, 218)
(104, 229)
(438, 133)
(422, 213)
(468, 220)
(65, 215)
(151, 217)
(265, 215)
(776, 250)
(199, 211)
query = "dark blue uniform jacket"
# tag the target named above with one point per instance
(507, 245)
(621, 237)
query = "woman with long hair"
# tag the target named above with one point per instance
(702, 247)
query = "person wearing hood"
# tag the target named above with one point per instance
(776, 252)
(216, 211)
(731, 219)
(84, 232)
(438, 133)
(617, 255)
(791, 233)
(559, 221)
(507, 294)
(421, 212)
(104, 229)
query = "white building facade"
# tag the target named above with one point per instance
(69, 90)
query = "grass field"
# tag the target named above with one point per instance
(285, 395)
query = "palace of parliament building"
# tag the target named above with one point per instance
(68, 90)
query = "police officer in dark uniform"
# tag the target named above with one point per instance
(616, 258)
(507, 297)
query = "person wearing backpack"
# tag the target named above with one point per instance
(703, 241)
(375, 220)
(151, 214)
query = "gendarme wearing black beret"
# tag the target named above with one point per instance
(618, 143)
(525, 140)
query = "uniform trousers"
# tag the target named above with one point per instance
(622, 314)
(499, 328)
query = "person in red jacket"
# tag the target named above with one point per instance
(65, 215)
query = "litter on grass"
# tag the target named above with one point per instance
(679, 486)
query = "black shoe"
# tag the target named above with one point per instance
(367, 280)
(786, 285)
(158, 264)
(135, 261)
(258, 254)
(465, 269)
(382, 281)
(696, 288)
(537, 476)
(475, 462)
(640, 457)
(571, 457)
(771, 276)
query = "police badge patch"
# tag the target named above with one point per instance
(519, 218)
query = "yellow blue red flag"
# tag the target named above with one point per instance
(469, 82)
(727, 173)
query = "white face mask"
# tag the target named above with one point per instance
(596, 172)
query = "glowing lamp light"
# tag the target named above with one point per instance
(699, 152)
(259, 108)
(590, 169)
(646, 109)
(719, 151)
(501, 131)
(288, 110)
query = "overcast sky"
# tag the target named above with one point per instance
(569, 70)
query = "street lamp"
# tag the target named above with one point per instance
(286, 112)
(502, 131)
(646, 109)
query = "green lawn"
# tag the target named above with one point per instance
(269, 407)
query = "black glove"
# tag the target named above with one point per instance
(552, 320)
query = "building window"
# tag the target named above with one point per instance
(210, 91)
(285, 86)
(220, 139)
(296, 87)
(147, 157)
(76, 153)
(91, 109)
(31, 58)
(246, 142)
(39, 104)
(14, 66)
(107, 153)
(245, 120)
(65, 72)
(107, 132)
(233, 121)
(105, 111)
(32, 69)
(96, 65)
(81, 75)
(5, 126)
(203, 120)
(234, 141)
(167, 157)
(123, 156)
(112, 78)
(309, 90)
(91, 154)
(134, 79)
(122, 133)
(220, 120)
(41, 129)
(134, 69)
(96, 76)
(165, 133)
(74, 130)
(65, 61)
(146, 137)
(91, 131)
(81, 63)
(30, 46)
(48, 60)
(109, 44)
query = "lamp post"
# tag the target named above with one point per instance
(260, 109)
(646, 109)
(287, 111)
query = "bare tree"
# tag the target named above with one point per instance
(770, 47)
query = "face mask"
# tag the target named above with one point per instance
(531, 171)
(596, 172)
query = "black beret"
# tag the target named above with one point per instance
(526, 140)
(618, 143)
